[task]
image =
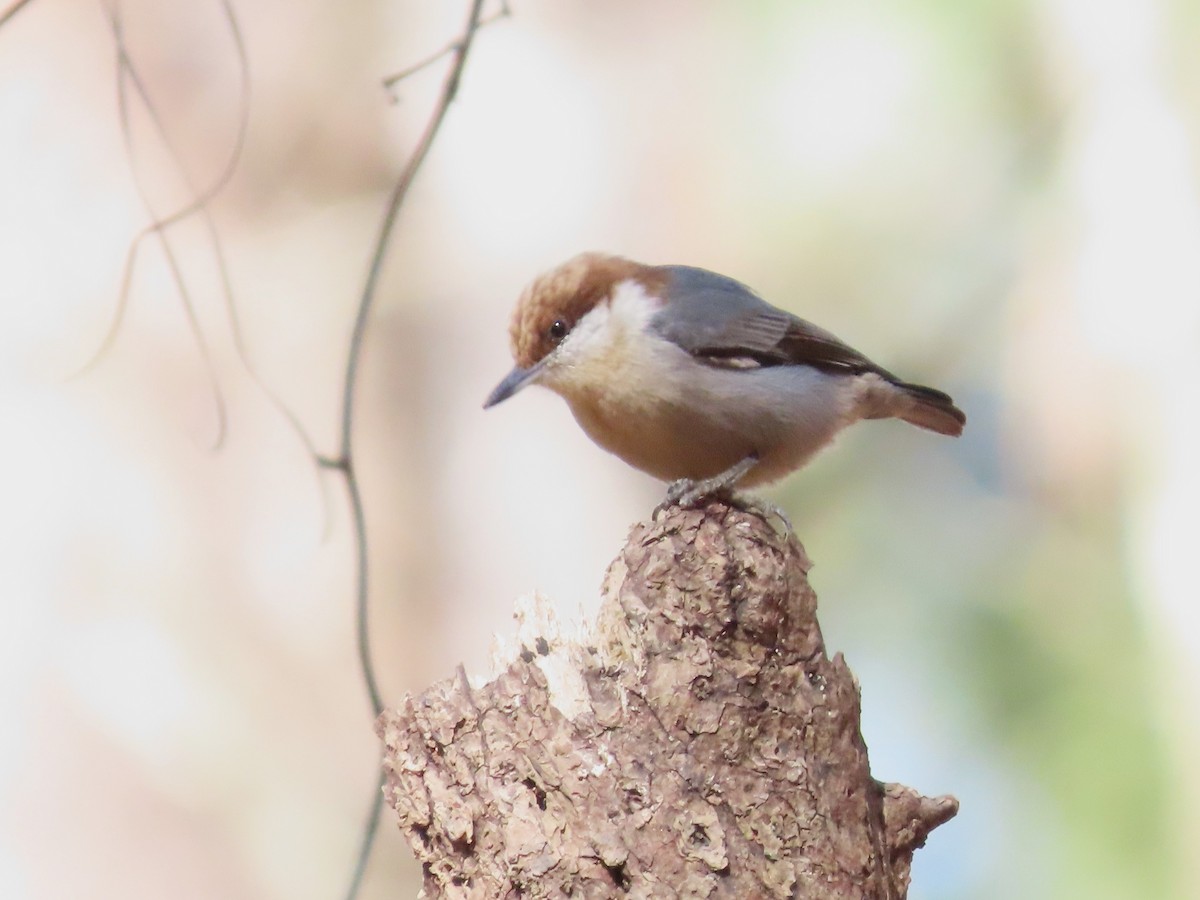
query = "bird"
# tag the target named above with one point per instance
(693, 378)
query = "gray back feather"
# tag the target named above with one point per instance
(714, 317)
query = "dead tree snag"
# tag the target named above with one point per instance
(696, 742)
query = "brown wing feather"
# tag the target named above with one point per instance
(777, 338)
(811, 345)
(717, 318)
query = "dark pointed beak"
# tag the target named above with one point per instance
(512, 382)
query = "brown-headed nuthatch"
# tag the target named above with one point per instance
(693, 378)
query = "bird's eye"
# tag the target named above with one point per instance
(557, 331)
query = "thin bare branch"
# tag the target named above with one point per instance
(127, 72)
(345, 458)
(392, 80)
(199, 205)
(370, 828)
(12, 11)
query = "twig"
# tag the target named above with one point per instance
(12, 11)
(126, 70)
(370, 827)
(392, 80)
(199, 204)
(200, 199)
(344, 461)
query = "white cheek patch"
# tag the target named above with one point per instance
(632, 307)
(587, 338)
(602, 334)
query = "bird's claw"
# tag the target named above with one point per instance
(678, 490)
(687, 492)
(765, 510)
(681, 493)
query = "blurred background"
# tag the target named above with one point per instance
(997, 198)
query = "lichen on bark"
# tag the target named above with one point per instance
(697, 741)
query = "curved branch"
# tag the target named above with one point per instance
(344, 461)
(12, 11)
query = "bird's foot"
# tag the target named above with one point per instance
(688, 492)
(764, 509)
(679, 493)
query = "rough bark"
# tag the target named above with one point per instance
(697, 742)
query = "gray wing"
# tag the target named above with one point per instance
(716, 318)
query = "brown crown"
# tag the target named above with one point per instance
(566, 294)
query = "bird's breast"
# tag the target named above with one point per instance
(668, 442)
(691, 421)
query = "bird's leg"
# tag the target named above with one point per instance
(688, 492)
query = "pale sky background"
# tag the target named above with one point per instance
(997, 198)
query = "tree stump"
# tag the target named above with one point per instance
(695, 742)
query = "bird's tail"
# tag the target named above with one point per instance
(932, 409)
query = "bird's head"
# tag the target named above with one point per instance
(544, 333)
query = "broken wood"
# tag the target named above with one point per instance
(695, 742)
